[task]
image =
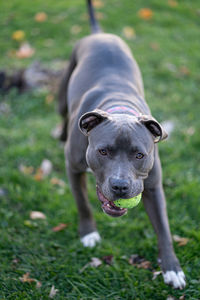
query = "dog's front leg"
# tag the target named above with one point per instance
(87, 228)
(154, 202)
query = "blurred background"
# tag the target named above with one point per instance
(41, 256)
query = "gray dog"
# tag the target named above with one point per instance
(108, 127)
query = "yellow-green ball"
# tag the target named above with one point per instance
(128, 203)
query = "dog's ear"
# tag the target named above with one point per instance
(154, 127)
(91, 119)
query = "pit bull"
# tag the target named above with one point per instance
(108, 127)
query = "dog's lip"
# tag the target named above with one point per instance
(109, 207)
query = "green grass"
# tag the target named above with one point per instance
(56, 258)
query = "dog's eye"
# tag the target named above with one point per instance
(139, 155)
(102, 151)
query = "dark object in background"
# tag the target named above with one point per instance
(14, 80)
(35, 76)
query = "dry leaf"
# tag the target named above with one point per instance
(56, 132)
(108, 259)
(98, 3)
(190, 131)
(144, 265)
(18, 35)
(172, 3)
(75, 29)
(182, 297)
(26, 278)
(56, 181)
(53, 292)
(37, 215)
(26, 170)
(184, 71)
(99, 15)
(95, 262)
(25, 51)
(155, 46)
(60, 227)
(46, 167)
(38, 175)
(145, 13)
(49, 99)
(40, 17)
(139, 262)
(182, 241)
(156, 274)
(129, 32)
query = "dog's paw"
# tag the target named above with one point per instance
(176, 279)
(91, 239)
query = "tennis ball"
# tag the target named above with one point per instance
(128, 203)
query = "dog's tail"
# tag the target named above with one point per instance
(93, 22)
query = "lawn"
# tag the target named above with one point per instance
(166, 47)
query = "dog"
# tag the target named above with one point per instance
(108, 128)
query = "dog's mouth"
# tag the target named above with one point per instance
(109, 207)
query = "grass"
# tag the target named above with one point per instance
(167, 50)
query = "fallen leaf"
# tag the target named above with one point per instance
(184, 71)
(25, 51)
(99, 15)
(37, 215)
(60, 227)
(190, 131)
(56, 132)
(182, 241)
(53, 292)
(40, 17)
(18, 35)
(97, 3)
(56, 181)
(145, 13)
(46, 167)
(129, 32)
(26, 170)
(156, 274)
(144, 265)
(139, 262)
(155, 46)
(95, 262)
(49, 99)
(75, 29)
(135, 259)
(38, 175)
(108, 259)
(15, 261)
(26, 278)
(172, 3)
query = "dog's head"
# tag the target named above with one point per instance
(120, 153)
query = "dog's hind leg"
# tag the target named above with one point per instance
(62, 96)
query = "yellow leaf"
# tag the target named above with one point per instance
(75, 29)
(18, 35)
(41, 17)
(129, 32)
(172, 3)
(98, 3)
(145, 13)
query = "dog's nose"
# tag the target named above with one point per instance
(119, 186)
